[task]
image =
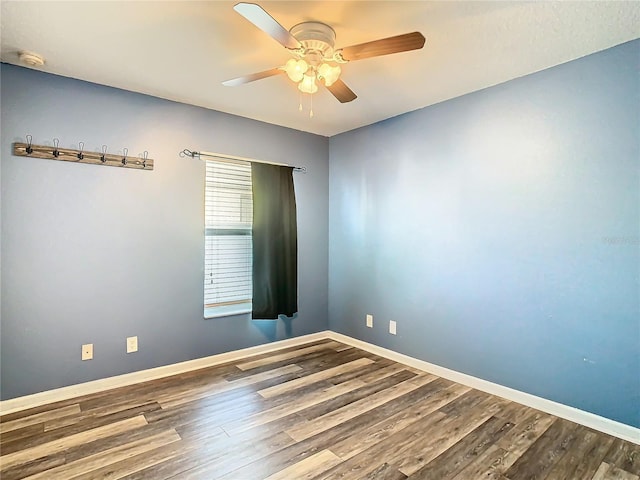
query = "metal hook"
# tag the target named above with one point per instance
(80, 154)
(104, 152)
(56, 142)
(29, 149)
(124, 159)
(144, 159)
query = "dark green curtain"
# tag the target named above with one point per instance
(275, 242)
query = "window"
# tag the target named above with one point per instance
(227, 256)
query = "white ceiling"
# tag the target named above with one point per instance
(183, 50)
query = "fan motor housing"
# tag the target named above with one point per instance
(315, 37)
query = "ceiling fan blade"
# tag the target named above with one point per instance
(385, 46)
(343, 93)
(234, 82)
(265, 22)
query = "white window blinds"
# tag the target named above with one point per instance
(228, 217)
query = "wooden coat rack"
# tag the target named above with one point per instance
(80, 156)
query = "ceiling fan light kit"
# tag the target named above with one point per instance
(316, 46)
(316, 60)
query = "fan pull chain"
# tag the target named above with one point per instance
(310, 104)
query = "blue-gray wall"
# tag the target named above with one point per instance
(501, 230)
(94, 254)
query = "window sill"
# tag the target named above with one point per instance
(227, 310)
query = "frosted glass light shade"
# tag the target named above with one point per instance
(328, 73)
(296, 69)
(308, 84)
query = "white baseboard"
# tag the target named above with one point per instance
(605, 425)
(95, 386)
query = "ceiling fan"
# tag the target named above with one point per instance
(315, 60)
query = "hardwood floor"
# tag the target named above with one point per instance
(320, 411)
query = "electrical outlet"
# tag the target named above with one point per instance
(392, 327)
(370, 321)
(87, 351)
(132, 344)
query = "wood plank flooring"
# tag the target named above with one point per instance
(321, 411)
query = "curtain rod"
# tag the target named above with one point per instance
(193, 154)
